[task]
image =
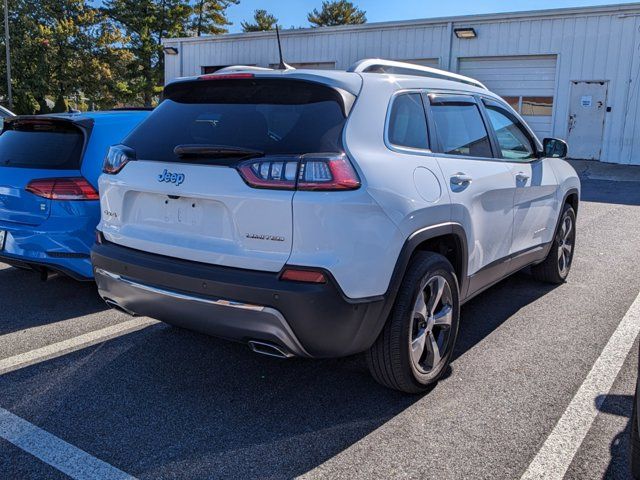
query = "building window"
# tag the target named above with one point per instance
(537, 106)
(531, 106)
(514, 102)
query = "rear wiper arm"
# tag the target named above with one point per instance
(216, 151)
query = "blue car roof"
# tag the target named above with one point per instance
(134, 115)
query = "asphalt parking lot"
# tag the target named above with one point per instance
(160, 402)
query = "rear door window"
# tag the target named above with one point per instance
(407, 122)
(41, 144)
(459, 126)
(273, 116)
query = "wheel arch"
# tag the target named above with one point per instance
(448, 239)
(572, 197)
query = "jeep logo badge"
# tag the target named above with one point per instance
(169, 177)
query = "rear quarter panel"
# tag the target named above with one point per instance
(358, 236)
(108, 129)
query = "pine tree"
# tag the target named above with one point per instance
(146, 23)
(62, 49)
(263, 21)
(338, 12)
(210, 16)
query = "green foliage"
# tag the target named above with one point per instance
(146, 23)
(210, 16)
(339, 12)
(60, 105)
(62, 48)
(263, 21)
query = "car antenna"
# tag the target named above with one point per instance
(282, 65)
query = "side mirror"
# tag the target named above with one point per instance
(555, 148)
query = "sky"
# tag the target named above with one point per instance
(294, 12)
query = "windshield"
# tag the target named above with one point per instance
(273, 116)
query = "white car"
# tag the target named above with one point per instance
(327, 213)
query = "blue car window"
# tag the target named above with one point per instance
(41, 145)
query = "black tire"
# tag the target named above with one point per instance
(635, 442)
(392, 361)
(551, 269)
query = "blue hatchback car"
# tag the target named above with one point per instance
(49, 202)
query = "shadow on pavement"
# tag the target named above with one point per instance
(608, 191)
(486, 312)
(28, 302)
(166, 402)
(620, 405)
(170, 403)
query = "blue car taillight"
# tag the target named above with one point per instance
(68, 188)
(117, 157)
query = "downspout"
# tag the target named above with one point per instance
(449, 47)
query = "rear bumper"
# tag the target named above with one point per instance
(307, 320)
(58, 244)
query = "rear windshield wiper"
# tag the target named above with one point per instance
(216, 151)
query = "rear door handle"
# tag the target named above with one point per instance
(461, 179)
(522, 177)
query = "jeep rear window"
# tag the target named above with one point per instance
(41, 144)
(273, 116)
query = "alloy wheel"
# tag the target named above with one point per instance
(431, 325)
(565, 246)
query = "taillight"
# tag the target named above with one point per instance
(303, 275)
(63, 189)
(117, 157)
(277, 173)
(308, 172)
(332, 172)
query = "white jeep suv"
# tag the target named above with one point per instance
(327, 213)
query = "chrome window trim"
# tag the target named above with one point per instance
(399, 148)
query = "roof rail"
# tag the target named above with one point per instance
(378, 65)
(242, 68)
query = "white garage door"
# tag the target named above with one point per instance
(426, 62)
(528, 83)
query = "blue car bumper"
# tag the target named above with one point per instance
(60, 244)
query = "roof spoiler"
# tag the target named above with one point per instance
(378, 65)
(242, 68)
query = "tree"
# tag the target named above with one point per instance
(338, 12)
(146, 23)
(210, 16)
(264, 21)
(62, 49)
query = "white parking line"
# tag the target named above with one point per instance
(72, 344)
(55, 452)
(557, 452)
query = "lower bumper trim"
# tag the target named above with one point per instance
(224, 318)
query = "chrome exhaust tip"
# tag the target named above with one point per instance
(113, 304)
(269, 349)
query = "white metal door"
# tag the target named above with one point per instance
(586, 119)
